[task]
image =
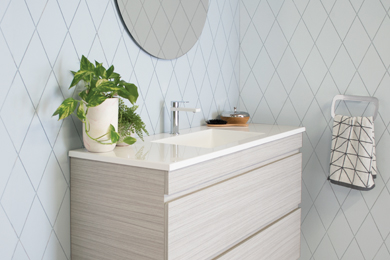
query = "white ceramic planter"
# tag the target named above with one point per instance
(100, 118)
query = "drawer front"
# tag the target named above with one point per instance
(209, 172)
(206, 223)
(279, 241)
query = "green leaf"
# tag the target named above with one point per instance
(81, 112)
(130, 91)
(100, 71)
(79, 75)
(116, 77)
(130, 140)
(83, 94)
(107, 86)
(100, 81)
(113, 134)
(94, 99)
(66, 108)
(109, 72)
(86, 65)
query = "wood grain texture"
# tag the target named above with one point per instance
(213, 171)
(204, 224)
(279, 241)
(117, 212)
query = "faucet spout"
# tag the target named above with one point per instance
(186, 109)
(175, 115)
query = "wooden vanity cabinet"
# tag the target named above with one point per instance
(239, 206)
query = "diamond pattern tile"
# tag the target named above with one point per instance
(17, 97)
(18, 197)
(8, 237)
(383, 253)
(263, 68)
(342, 69)
(53, 249)
(35, 152)
(51, 30)
(40, 43)
(35, 63)
(288, 116)
(301, 43)
(263, 15)
(276, 44)
(8, 67)
(355, 209)
(53, 181)
(275, 95)
(110, 28)
(62, 225)
(36, 231)
(340, 233)
(372, 13)
(67, 139)
(17, 28)
(328, 42)
(325, 250)
(380, 210)
(288, 18)
(313, 236)
(8, 152)
(68, 10)
(314, 69)
(327, 205)
(342, 16)
(369, 238)
(357, 34)
(372, 70)
(313, 178)
(305, 251)
(382, 40)
(82, 36)
(314, 17)
(288, 70)
(341, 47)
(353, 252)
(342, 61)
(20, 253)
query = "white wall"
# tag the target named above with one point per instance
(40, 42)
(295, 57)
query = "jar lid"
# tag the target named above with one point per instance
(235, 113)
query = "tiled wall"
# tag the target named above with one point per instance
(40, 42)
(296, 55)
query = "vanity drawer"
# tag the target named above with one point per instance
(204, 224)
(198, 176)
(279, 241)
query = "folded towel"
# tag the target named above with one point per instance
(353, 158)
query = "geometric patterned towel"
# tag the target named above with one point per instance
(353, 157)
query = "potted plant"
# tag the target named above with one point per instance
(129, 123)
(98, 107)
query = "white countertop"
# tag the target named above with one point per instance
(170, 157)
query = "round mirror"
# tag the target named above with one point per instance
(166, 29)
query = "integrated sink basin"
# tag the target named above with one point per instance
(209, 138)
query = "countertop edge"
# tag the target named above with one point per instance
(82, 154)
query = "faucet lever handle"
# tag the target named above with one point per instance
(176, 103)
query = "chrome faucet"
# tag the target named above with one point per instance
(175, 115)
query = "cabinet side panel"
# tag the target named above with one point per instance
(213, 171)
(204, 224)
(279, 241)
(117, 212)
